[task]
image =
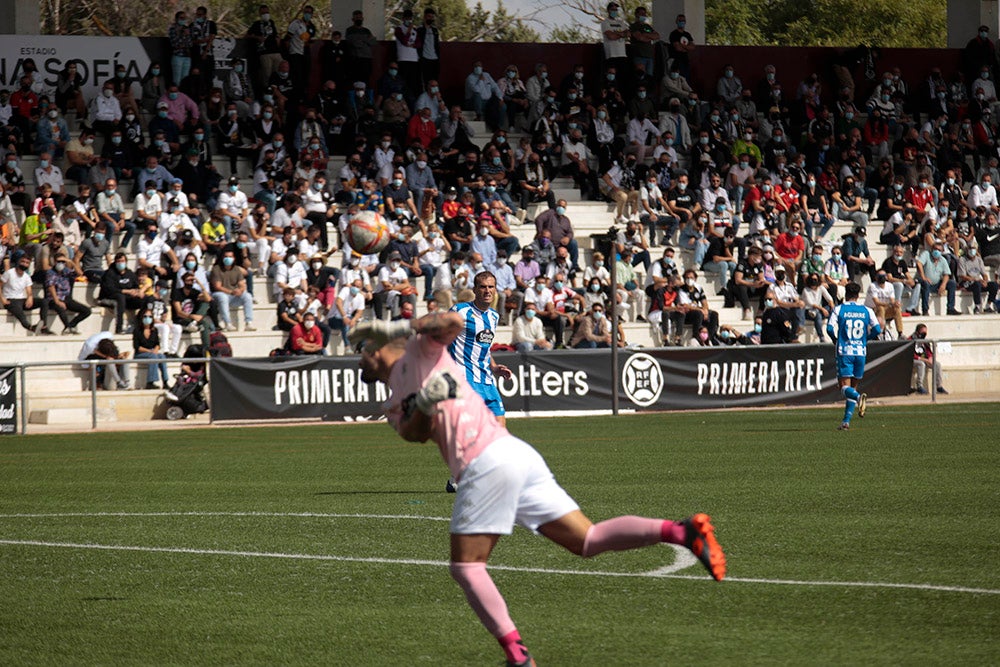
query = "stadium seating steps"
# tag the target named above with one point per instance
(970, 366)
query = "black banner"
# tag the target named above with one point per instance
(330, 388)
(8, 401)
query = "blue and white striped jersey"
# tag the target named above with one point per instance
(471, 349)
(853, 322)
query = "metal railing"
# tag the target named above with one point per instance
(90, 365)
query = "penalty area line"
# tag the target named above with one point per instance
(656, 574)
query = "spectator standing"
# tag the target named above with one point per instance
(429, 47)
(680, 46)
(615, 34)
(264, 32)
(300, 34)
(362, 42)
(181, 43)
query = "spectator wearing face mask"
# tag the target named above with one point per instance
(818, 303)
(528, 332)
(974, 278)
(924, 361)
(305, 337)
(881, 298)
(593, 330)
(935, 274)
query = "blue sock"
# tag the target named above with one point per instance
(852, 396)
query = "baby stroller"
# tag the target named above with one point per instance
(187, 396)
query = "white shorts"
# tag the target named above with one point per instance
(508, 483)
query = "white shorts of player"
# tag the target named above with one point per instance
(508, 483)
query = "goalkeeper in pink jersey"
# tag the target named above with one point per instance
(503, 479)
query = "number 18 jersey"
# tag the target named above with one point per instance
(853, 322)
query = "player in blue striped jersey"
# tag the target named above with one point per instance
(855, 325)
(471, 349)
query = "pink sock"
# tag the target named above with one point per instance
(621, 533)
(484, 598)
(513, 647)
(673, 532)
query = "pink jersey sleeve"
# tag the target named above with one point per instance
(463, 427)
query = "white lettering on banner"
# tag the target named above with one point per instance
(7, 412)
(529, 380)
(760, 377)
(95, 58)
(319, 386)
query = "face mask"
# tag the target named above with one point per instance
(162, 113)
(611, 77)
(936, 254)
(355, 261)
(308, 324)
(787, 184)
(291, 259)
(130, 117)
(897, 187)
(951, 181)
(880, 280)
(681, 24)
(812, 183)
(984, 76)
(477, 70)
(972, 252)
(560, 210)
(642, 94)
(99, 237)
(765, 188)
(234, 188)
(190, 266)
(121, 266)
(43, 163)
(484, 232)
(530, 314)
(769, 303)
(703, 336)
(836, 256)
(155, 71)
(109, 191)
(228, 261)
(60, 267)
(354, 290)
(923, 186)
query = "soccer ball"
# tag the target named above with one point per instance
(368, 232)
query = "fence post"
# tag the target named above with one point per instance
(24, 398)
(93, 395)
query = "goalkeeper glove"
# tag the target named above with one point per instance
(378, 333)
(440, 386)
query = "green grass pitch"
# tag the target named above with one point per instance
(216, 525)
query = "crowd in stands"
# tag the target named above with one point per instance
(732, 191)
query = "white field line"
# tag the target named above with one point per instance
(684, 559)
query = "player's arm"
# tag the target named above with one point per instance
(414, 426)
(834, 316)
(499, 370)
(442, 328)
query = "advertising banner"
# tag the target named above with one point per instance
(330, 388)
(95, 57)
(8, 401)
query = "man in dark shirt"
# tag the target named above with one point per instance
(748, 281)
(120, 290)
(680, 45)
(683, 201)
(458, 230)
(264, 32)
(776, 324)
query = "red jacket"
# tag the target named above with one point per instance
(422, 131)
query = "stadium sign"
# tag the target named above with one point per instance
(8, 401)
(95, 58)
(561, 381)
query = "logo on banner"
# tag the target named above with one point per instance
(642, 379)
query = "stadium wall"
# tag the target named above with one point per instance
(98, 56)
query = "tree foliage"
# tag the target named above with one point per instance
(890, 23)
(460, 23)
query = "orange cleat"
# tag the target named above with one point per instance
(700, 539)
